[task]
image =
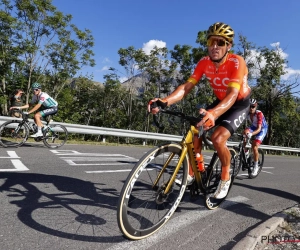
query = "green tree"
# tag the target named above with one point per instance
(49, 49)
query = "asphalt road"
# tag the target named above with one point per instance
(66, 199)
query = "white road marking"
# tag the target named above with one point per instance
(108, 171)
(175, 225)
(19, 166)
(72, 163)
(12, 154)
(267, 172)
(74, 158)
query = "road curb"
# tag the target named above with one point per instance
(254, 236)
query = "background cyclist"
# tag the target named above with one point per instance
(259, 128)
(227, 74)
(44, 105)
(16, 101)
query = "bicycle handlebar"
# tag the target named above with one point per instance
(191, 119)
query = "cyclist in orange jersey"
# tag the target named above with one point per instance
(227, 74)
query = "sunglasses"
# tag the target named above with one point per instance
(35, 89)
(252, 107)
(219, 42)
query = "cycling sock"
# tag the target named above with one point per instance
(225, 173)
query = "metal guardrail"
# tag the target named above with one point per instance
(93, 130)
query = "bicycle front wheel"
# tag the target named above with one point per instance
(55, 136)
(13, 134)
(144, 206)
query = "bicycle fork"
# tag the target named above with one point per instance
(172, 180)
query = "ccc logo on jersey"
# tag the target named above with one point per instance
(217, 81)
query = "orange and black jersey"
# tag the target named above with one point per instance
(232, 73)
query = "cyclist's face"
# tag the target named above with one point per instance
(36, 91)
(252, 108)
(217, 47)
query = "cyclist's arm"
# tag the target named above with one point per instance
(35, 108)
(21, 107)
(255, 132)
(259, 123)
(180, 92)
(227, 102)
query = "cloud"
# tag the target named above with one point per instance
(290, 73)
(147, 47)
(105, 68)
(123, 79)
(106, 60)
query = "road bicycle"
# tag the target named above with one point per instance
(15, 133)
(245, 158)
(150, 196)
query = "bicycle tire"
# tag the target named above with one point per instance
(214, 177)
(261, 158)
(142, 208)
(55, 136)
(13, 133)
(238, 163)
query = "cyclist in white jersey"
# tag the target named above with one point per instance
(258, 128)
(44, 105)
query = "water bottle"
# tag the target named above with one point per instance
(200, 162)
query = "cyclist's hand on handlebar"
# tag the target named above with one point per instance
(249, 135)
(156, 104)
(25, 113)
(207, 121)
(14, 108)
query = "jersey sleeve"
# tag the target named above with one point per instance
(239, 70)
(42, 98)
(260, 118)
(198, 72)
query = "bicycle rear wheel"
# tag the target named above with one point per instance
(214, 177)
(13, 134)
(55, 136)
(261, 158)
(143, 207)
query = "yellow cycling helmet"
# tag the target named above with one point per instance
(221, 29)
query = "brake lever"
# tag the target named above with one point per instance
(200, 129)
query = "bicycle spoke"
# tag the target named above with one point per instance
(143, 208)
(13, 134)
(55, 136)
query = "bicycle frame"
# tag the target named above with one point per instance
(187, 149)
(241, 150)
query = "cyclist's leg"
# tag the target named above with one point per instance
(49, 111)
(257, 142)
(198, 140)
(38, 122)
(229, 122)
(43, 113)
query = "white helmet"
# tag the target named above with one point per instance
(253, 102)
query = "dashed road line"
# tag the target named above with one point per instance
(18, 165)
